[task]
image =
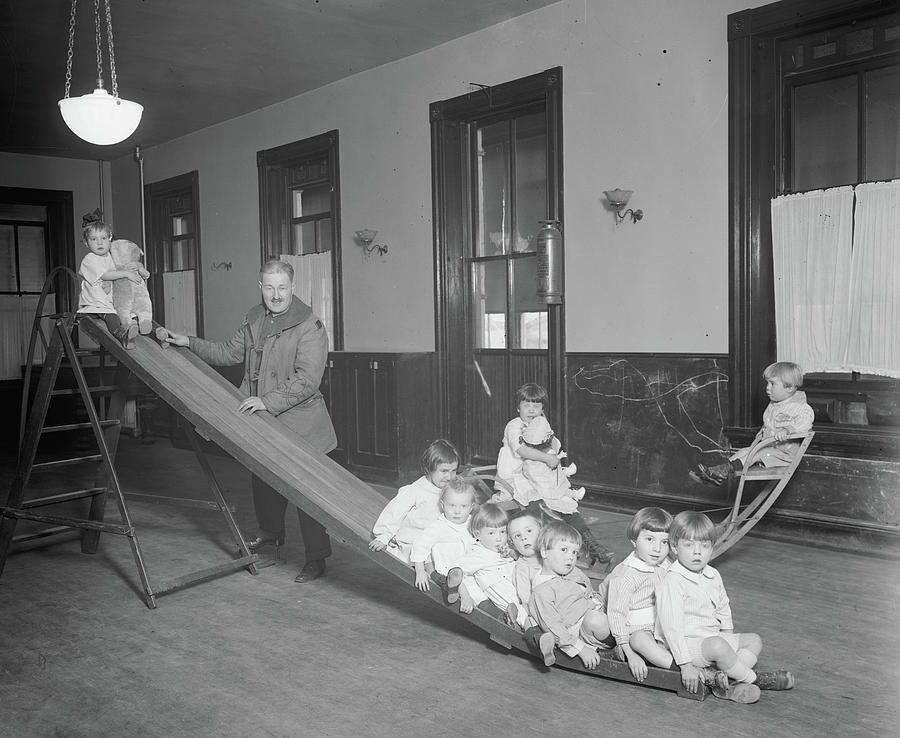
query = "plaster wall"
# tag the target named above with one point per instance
(644, 91)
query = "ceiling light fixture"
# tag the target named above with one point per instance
(99, 118)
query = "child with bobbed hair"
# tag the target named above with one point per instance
(787, 413)
(416, 505)
(694, 618)
(629, 592)
(490, 565)
(563, 602)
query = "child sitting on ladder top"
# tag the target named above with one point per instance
(98, 271)
(694, 618)
(442, 542)
(563, 602)
(416, 505)
(787, 413)
(530, 400)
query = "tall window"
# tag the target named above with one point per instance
(23, 267)
(299, 201)
(814, 100)
(510, 200)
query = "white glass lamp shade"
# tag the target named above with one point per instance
(100, 118)
(366, 235)
(618, 198)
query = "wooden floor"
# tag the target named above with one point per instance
(357, 654)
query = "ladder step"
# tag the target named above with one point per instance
(37, 535)
(78, 494)
(121, 530)
(67, 462)
(99, 389)
(77, 426)
(204, 575)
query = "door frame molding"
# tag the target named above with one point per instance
(452, 225)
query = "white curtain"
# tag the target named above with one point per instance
(16, 321)
(812, 240)
(874, 340)
(313, 283)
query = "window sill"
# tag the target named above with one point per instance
(855, 442)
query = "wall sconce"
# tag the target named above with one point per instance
(216, 266)
(366, 238)
(618, 199)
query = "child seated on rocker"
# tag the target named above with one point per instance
(629, 592)
(694, 618)
(416, 505)
(445, 540)
(787, 413)
(489, 563)
(563, 602)
(530, 399)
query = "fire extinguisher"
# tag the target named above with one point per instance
(549, 262)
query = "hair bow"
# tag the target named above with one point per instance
(89, 218)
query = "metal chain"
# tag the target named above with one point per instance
(71, 43)
(112, 56)
(97, 42)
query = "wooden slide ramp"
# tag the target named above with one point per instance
(344, 504)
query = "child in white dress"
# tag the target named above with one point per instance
(416, 505)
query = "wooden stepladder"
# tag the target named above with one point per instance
(105, 424)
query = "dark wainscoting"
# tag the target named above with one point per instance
(638, 423)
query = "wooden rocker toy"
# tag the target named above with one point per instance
(742, 519)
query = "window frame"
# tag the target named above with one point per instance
(276, 207)
(756, 175)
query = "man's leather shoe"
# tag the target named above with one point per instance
(260, 540)
(311, 570)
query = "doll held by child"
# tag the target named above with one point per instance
(546, 483)
(131, 299)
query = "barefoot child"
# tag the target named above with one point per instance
(562, 601)
(694, 617)
(787, 413)
(629, 592)
(416, 505)
(489, 564)
(445, 540)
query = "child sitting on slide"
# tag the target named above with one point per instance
(416, 505)
(445, 540)
(563, 602)
(488, 562)
(787, 413)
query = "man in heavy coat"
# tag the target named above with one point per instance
(284, 347)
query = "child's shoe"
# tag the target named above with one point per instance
(743, 693)
(712, 677)
(127, 334)
(776, 680)
(512, 616)
(547, 644)
(596, 553)
(710, 474)
(451, 585)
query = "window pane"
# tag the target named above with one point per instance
(492, 186)
(182, 251)
(311, 200)
(530, 313)
(824, 134)
(324, 235)
(182, 224)
(7, 259)
(303, 238)
(883, 124)
(489, 306)
(32, 258)
(531, 179)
